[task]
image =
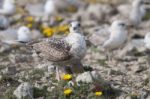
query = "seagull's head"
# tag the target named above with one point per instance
(24, 34)
(75, 27)
(137, 3)
(118, 25)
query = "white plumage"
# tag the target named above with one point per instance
(77, 41)
(40, 10)
(137, 13)
(118, 35)
(134, 13)
(24, 34)
(8, 7)
(14, 36)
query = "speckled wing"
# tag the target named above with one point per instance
(53, 49)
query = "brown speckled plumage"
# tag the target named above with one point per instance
(67, 51)
(52, 49)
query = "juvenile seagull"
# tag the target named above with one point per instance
(8, 7)
(118, 35)
(40, 10)
(66, 51)
(134, 13)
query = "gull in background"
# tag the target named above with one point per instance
(64, 52)
(8, 7)
(137, 13)
(40, 10)
(4, 22)
(23, 34)
(133, 13)
(118, 36)
(13, 37)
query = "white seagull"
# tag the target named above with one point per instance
(118, 35)
(64, 52)
(8, 7)
(134, 13)
(137, 13)
(22, 35)
(40, 10)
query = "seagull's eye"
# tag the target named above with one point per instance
(122, 24)
(79, 25)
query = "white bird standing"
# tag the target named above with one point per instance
(40, 10)
(137, 13)
(118, 35)
(8, 7)
(133, 13)
(22, 35)
(66, 51)
(11, 38)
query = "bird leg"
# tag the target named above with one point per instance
(108, 56)
(57, 74)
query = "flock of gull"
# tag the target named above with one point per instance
(70, 50)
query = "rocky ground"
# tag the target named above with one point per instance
(125, 76)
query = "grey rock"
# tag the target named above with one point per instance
(24, 90)
(89, 77)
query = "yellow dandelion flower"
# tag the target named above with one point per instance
(29, 25)
(67, 77)
(29, 19)
(55, 29)
(98, 93)
(48, 32)
(64, 28)
(67, 91)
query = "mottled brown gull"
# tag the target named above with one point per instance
(64, 52)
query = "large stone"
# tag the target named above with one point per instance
(89, 77)
(24, 91)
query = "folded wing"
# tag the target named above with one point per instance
(53, 49)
